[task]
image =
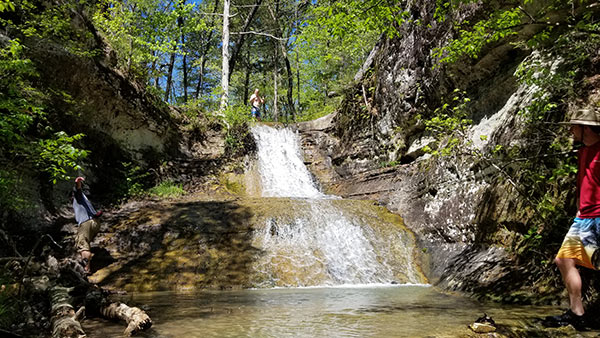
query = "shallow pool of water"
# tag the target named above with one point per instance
(370, 311)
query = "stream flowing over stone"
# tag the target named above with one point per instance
(324, 240)
(282, 170)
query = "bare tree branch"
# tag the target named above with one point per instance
(259, 33)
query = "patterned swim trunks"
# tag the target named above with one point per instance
(581, 243)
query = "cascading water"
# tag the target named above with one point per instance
(282, 171)
(325, 240)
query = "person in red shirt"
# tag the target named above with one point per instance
(583, 238)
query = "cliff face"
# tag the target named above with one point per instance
(103, 101)
(84, 92)
(465, 210)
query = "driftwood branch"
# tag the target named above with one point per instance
(137, 320)
(65, 323)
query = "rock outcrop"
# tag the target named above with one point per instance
(465, 211)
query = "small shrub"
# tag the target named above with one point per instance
(236, 119)
(167, 189)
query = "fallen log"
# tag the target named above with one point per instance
(137, 320)
(65, 321)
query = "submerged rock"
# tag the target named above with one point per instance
(482, 327)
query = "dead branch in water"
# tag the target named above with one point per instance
(136, 319)
(96, 300)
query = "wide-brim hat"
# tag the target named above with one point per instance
(586, 117)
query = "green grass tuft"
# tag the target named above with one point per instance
(167, 189)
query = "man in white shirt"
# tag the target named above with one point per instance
(86, 216)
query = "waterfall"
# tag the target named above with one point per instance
(320, 239)
(282, 170)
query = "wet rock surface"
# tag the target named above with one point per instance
(212, 241)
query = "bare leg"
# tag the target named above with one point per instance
(572, 280)
(85, 254)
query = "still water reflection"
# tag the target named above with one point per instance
(386, 311)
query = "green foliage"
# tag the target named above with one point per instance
(386, 164)
(167, 189)
(141, 31)
(236, 115)
(508, 20)
(136, 179)
(137, 184)
(472, 39)
(57, 154)
(19, 102)
(51, 22)
(10, 195)
(449, 125)
(6, 6)
(26, 134)
(236, 119)
(346, 17)
(315, 108)
(332, 44)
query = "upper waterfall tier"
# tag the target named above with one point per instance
(280, 164)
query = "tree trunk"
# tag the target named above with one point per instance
(200, 77)
(184, 62)
(137, 320)
(225, 69)
(369, 61)
(65, 322)
(247, 79)
(185, 78)
(298, 82)
(170, 77)
(297, 57)
(290, 78)
(275, 76)
(282, 46)
(237, 47)
(204, 52)
(154, 72)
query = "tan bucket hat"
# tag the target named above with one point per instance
(587, 117)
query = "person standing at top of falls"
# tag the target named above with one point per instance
(86, 218)
(256, 101)
(581, 242)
